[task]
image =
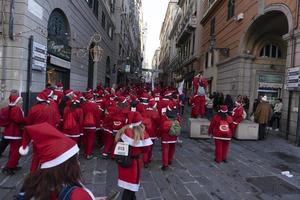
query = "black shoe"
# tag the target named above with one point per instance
(8, 171)
(225, 161)
(146, 165)
(16, 168)
(105, 157)
(164, 168)
(170, 162)
(217, 161)
(113, 195)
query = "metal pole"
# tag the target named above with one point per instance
(298, 126)
(29, 73)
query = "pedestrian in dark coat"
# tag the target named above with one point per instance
(261, 116)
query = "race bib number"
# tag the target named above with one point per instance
(156, 98)
(133, 109)
(164, 110)
(55, 97)
(121, 149)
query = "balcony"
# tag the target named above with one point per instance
(187, 27)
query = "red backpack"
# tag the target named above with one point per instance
(4, 116)
(224, 128)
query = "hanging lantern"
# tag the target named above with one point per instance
(96, 53)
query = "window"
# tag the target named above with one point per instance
(206, 60)
(230, 9)
(103, 20)
(212, 26)
(271, 51)
(112, 6)
(95, 8)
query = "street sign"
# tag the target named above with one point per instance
(292, 80)
(39, 56)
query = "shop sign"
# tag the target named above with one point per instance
(266, 78)
(59, 49)
(39, 56)
(60, 62)
(292, 80)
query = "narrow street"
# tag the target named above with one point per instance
(253, 172)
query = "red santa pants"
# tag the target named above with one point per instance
(89, 138)
(108, 144)
(198, 110)
(168, 150)
(147, 154)
(14, 155)
(221, 150)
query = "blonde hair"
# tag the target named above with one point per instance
(137, 130)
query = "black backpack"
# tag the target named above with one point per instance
(124, 160)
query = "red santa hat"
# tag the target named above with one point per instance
(76, 99)
(48, 92)
(59, 85)
(53, 147)
(89, 96)
(168, 93)
(122, 99)
(42, 96)
(14, 99)
(152, 103)
(134, 119)
(172, 106)
(78, 94)
(223, 109)
(68, 92)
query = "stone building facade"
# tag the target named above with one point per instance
(63, 34)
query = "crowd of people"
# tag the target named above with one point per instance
(124, 121)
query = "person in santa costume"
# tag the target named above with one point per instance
(220, 129)
(13, 133)
(168, 141)
(73, 120)
(115, 119)
(198, 100)
(58, 92)
(135, 135)
(151, 120)
(237, 115)
(42, 111)
(91, 117)
(164, 102)
(58, 176)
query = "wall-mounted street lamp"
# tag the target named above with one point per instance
(212, 46)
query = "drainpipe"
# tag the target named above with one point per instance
(4, 52)
(293, 57)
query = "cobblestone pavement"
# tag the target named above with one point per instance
(253, 172)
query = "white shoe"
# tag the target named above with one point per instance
(276, 129)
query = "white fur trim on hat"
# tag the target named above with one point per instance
(16, 101)
(60, 159)
(23, 151)
(39, 99)
(124, 100)
(135, 124)
(225, 111)
(51, 92)
(68, 94)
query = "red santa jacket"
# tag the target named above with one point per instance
(162, 105)
(237, 114)
(90, 108)
(151, 120)
(42, 112)
(16, 119)
(54, 105)
(214, 127)
(77, 129)
(164, 129)
(197, 100)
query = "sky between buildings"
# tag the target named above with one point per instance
(154, 13)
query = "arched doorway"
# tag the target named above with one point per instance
(91, 69)
(264, 44)
(107, 72)
(58, 48)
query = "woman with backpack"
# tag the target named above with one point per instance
(220, 129)
(13, 132)
(132, 141)
(169, 130)
(58, 176)
(73, 120)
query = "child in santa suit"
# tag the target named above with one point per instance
(168, 141)
(58, 159)
(91, 117)
(73, 120)
(237, 115)
(13, 133)
(151, 120)
(220, 129)
(135, 135)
